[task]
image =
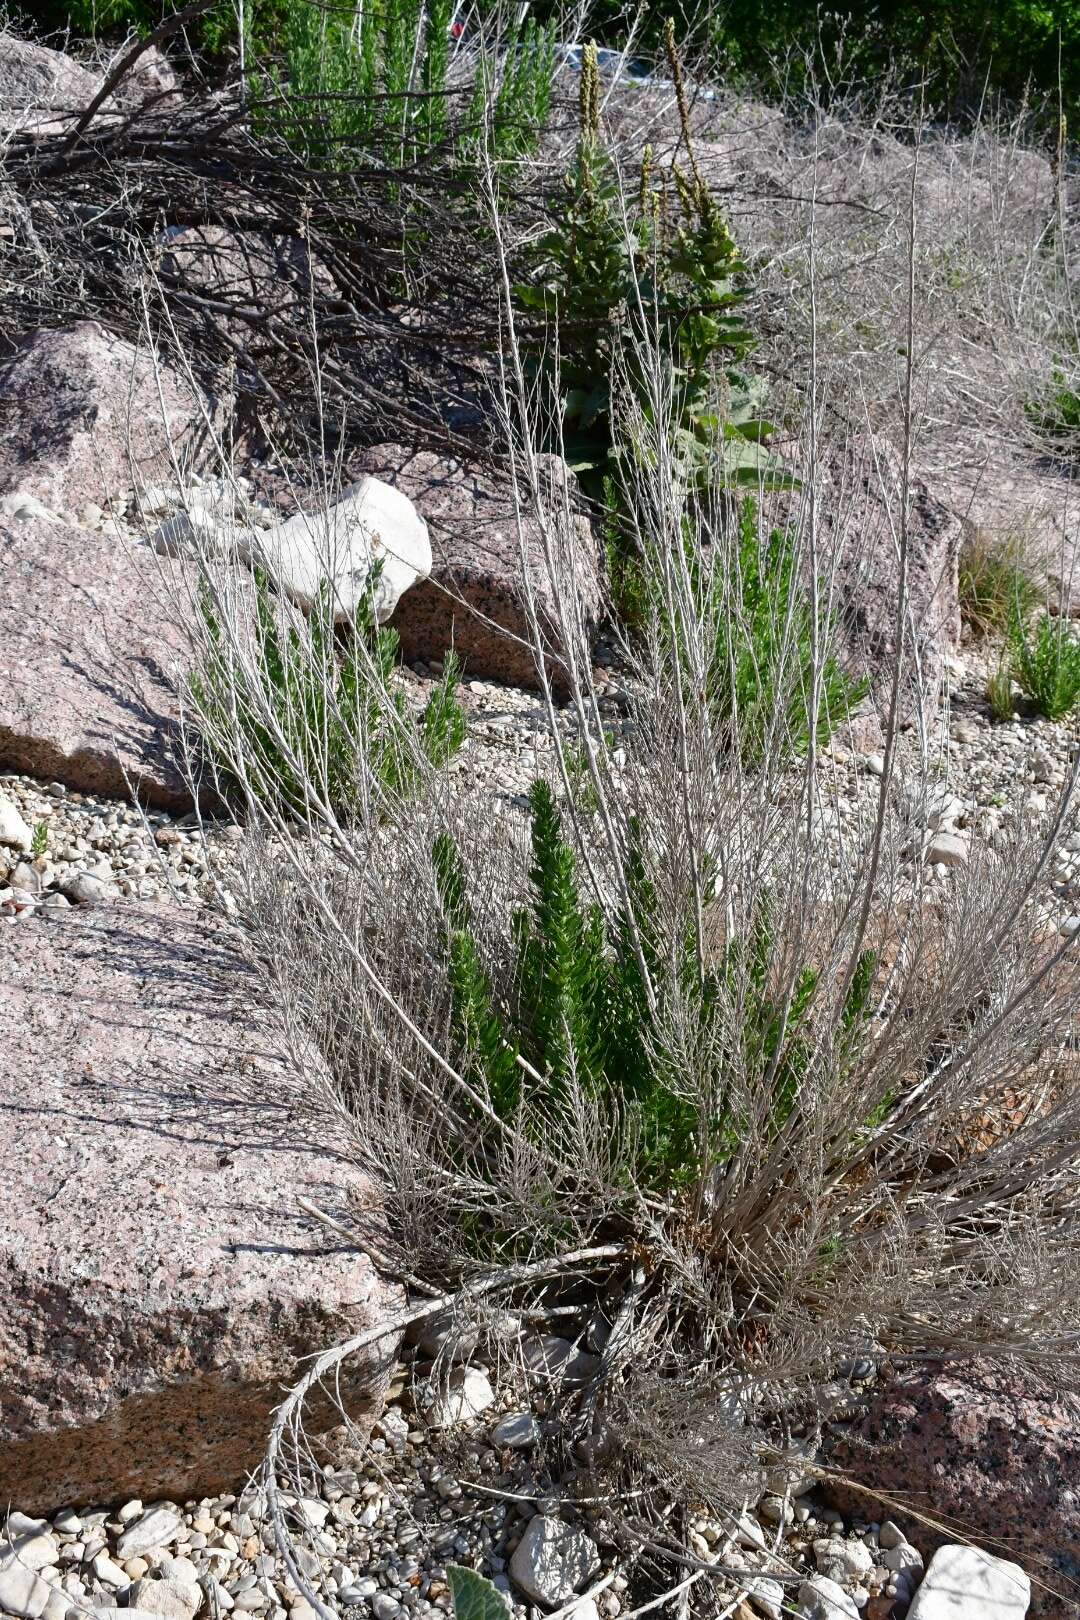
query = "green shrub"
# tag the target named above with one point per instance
(1058, 413)
(761, 670)
(1046, 664)
(670, 267)
(335, 85)
(999, 692)
(993, 579)
(315, 715)
(576, 1014)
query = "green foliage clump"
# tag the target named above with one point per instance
(999, 692)
(583, 1009)
(1046, 664)
(993, 580)
(761, 670)
(666, 266)
(1058, 412)
(343, 80)
(317, 716)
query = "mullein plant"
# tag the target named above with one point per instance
(609, 268)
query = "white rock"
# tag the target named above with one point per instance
(448, 1336)
(463, 1394)
(13, 829)
(891, 1535)
(27, 1542)
(550, 1356)
(178, 1569)
(748, 1533)
(108, 1572)
(842, 1560)
(553, 1560)
(156, 1528)
(518, 1430)
(24, 508)
(58, 1606)
(169, 1598)
(313, 1512)
(87, 889)
(766, 1596)
(788, 1477)
(384, 1607)
(371, 522)
(22, 1592)
(963, 1583)
(822, 1599)
(901, 1556)
(947, 849)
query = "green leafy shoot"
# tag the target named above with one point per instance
(1046, 664)
(319, 711)
(475, 1597)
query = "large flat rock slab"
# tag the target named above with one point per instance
(159, 1276)
(89, 663)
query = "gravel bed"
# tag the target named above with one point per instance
(375, 1534)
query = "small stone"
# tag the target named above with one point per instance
(875, 764)
(22, 1592)
(251, 1600)
(964, 1583)
(109, 1573)
(749, 1534)
(68, 1523)
(518, 1430)
(947, 849)
(766, 1596)
(550, 1356)
(86, 889)
(463, 1394)
(13, 829)
(890, 1535)
(313, 1512)
(27, 1542)
(822, 1599)
(384, 1607)
(153, 1529)
(842, 1560)
(171, 1598)
(902, 1557)
(130, 1510)
(135, 1568)
(553, 1560)
(775, 1510)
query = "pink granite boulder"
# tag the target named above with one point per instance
(88, 662)
(475, 599)
(161, 1281)
(994, 1453)
(41, 90)
(85, 416)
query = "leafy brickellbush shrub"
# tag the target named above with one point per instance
(578, 1012)
(1046, 663)
(316, 712)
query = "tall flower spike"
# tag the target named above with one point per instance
(589, 95)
